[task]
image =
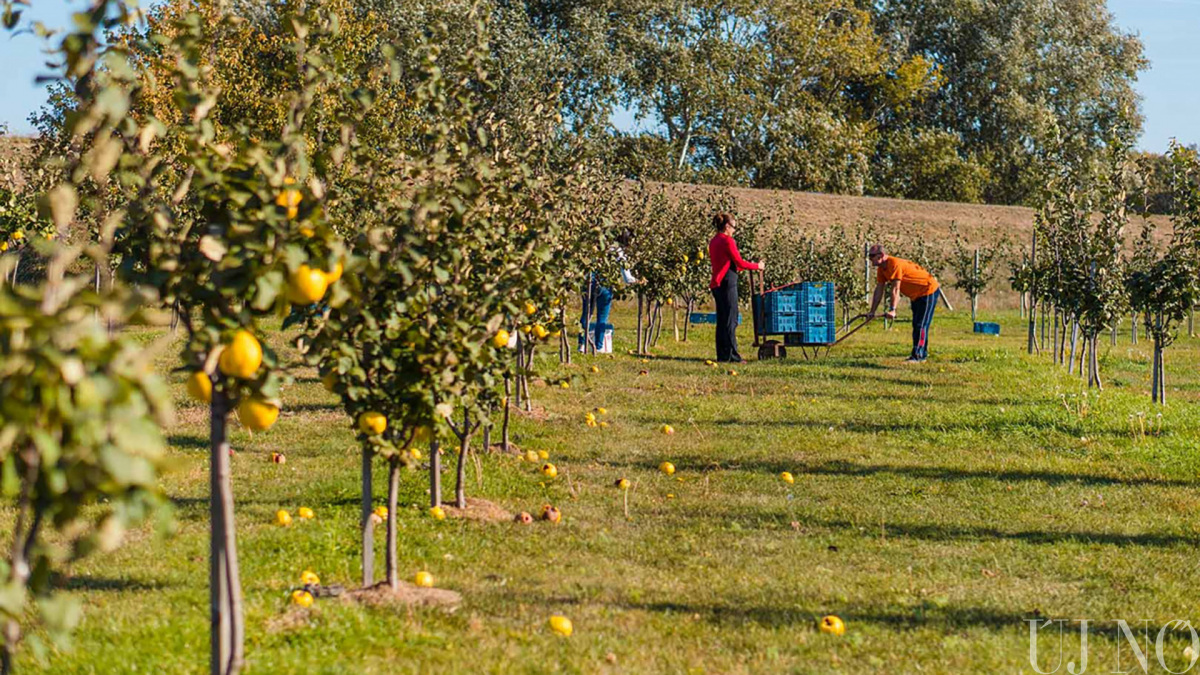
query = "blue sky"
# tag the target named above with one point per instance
(1170, 30)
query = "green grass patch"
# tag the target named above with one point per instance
(935, 508)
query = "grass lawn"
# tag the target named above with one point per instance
(935, 508)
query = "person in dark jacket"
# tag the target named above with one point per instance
(726, 262)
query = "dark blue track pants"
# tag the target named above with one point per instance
(922, 309)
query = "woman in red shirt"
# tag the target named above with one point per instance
(723, 252)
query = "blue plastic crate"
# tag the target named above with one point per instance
(813, 292)
(817, 315)
(821, 334)
(708, 317)
(785, 302)
(987, 328)
(780, 322)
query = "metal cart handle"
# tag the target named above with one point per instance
(866, 320)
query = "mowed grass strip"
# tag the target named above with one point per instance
(934, 509)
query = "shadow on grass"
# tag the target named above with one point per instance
(187, 442)
(994, 426)
(931, 473)
(295, 408)
(972, 533)
(90, 583)
(920, 615)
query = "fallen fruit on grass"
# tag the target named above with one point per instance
(278, 458)
(643, 372)
(305, 513)
(437, 512)
(668, 429)
(549, 470)
(551, 514)
(302, 598)
(542, 454)
(309, 578)
(787, 478)
(622, 483)
(381, 512)
(241, 356)
(423, 579)
(531, 456)
(733, 373)
(604, 425)
(565, 385)
(595, 369)
(372, 422)
(283, 518)
(500, 339)
(524, 518)
(832, 625)
(602, 411)
(561, 625)
(257, 414)
(415, 453)
(667, 468)
(199, 386)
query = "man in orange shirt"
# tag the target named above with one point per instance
(916, 284)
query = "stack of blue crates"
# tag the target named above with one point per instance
(805, 310)
(819, 314)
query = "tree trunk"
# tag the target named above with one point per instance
(393, 568)
(658, 322)
(639, 322)
(520, 367)
(525, 378)
(1112, 334)
(1094, 364)
(1043, 325)
(1074, 341)
(1133, 326)
(687, 320)
(1054, 338)
(675, 319)
(504, 426)
(975, 296)
(435, 474)
(1160, 387)
(22, 547)
(460, 478)
(1032, 337)
(589, 344)
(225, 590)
(867, 271)
(368, 528)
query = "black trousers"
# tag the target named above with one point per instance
(922, 309)
(726, 296)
